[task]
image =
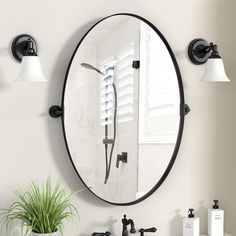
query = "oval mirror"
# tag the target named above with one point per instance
(123, 101)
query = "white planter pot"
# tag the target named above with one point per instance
(52, 234)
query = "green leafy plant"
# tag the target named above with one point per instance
(40, 210)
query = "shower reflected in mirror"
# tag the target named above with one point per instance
(107, 77)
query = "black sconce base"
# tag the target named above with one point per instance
(198, 51)
(20, 46)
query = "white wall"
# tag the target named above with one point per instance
(32, 143)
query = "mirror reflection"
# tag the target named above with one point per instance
(121, 109)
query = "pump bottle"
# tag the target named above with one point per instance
(191, 224)
(215, 220)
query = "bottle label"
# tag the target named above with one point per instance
(217, 217)
(188, 226)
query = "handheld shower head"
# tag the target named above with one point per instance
(106, 141)
(90, 67)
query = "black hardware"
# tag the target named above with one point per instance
(199, 50)
(184, 110)
(55, 111)
(136, 64)
(190, 211)
(23, 45)
(101, 234)
(216, 204)
(214, 51)
(123, 157)
(125, 223)
(151, 230)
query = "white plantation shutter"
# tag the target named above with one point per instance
(106, 92)
(161, 92)
(122, 75)
(125, 82)
(158, 88)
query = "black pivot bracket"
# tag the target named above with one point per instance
(184, 109)
(55, 111)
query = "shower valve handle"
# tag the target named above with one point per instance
(123, 157)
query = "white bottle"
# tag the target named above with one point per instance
(215, 220)
(191, 224)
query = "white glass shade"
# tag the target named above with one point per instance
(30, 70)
(215, 71)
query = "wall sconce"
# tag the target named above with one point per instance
(200, 52)
(24, 50)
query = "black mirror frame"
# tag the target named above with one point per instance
(184, 109)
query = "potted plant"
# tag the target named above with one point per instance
(41, 210)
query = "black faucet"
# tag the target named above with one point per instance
(125, 223)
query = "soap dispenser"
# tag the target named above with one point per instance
(215, 220)
(191, 224)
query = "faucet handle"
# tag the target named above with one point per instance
(151, 230)
(101, 234)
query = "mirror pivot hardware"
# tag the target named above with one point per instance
(151, 230)
(123, 157)
(184, 109)
(55, 111)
